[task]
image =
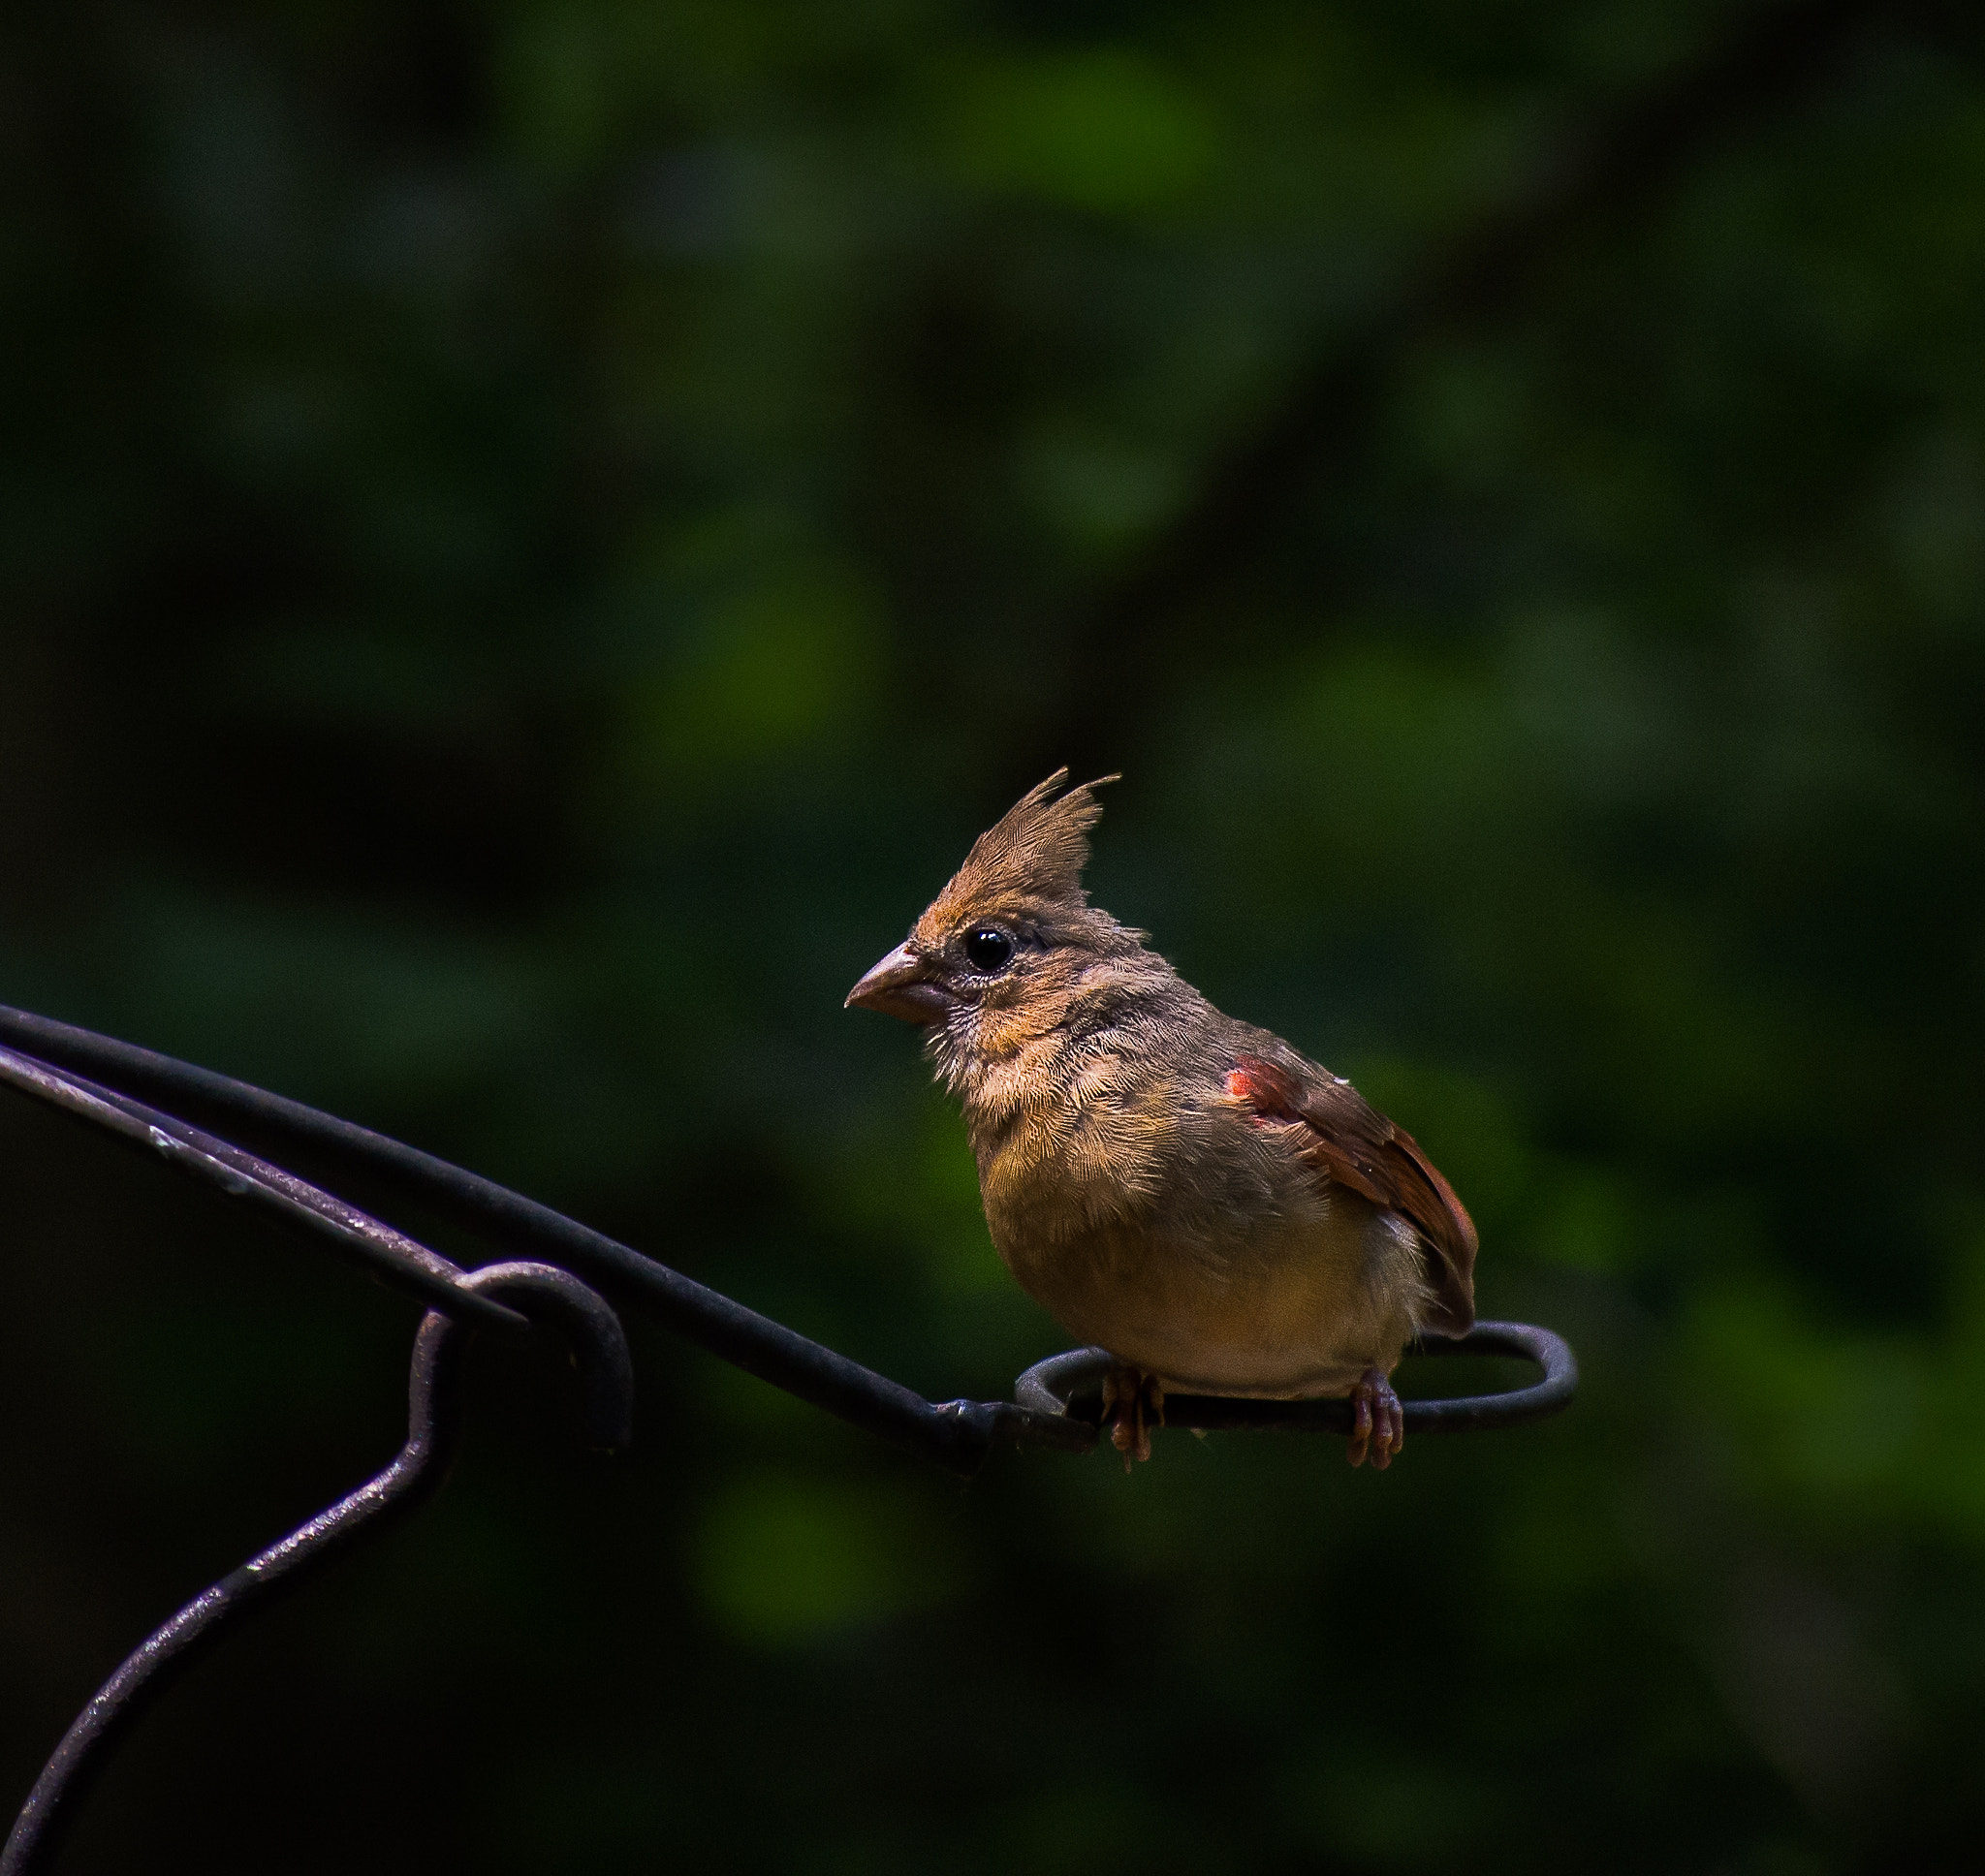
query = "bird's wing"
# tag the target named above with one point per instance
(1348, 1139)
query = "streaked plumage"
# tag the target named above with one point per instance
(1184, 1190)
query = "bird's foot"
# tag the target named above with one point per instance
(1133, 1403)
(1378, 1423)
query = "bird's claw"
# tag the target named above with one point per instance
(1378, 1423)
(1133, 1403)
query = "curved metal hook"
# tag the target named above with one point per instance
(433, 1436)
(956, 1433)
(599, 1344)
(820, 1376)
(1051, 1387)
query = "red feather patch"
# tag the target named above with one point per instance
(1348, 1140)
(1267, 1097)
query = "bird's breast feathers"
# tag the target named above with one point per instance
(1160, 1215)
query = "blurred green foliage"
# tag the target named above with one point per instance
(532, 536)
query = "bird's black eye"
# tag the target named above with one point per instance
(988, 948)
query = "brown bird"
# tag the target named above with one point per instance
(1187, 1191)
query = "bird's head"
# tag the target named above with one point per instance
(1012, 933)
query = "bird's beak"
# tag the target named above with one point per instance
(898, 988)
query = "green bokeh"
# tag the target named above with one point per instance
(531, 538)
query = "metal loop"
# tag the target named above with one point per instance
(1070, 1386)
(599, 1344)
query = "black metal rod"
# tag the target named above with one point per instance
(1071, 1385)
(958, 1435)
(433, 1436)
(388, 1254)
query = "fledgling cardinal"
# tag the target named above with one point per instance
(1188, 1192)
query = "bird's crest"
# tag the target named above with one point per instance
(1032, 855)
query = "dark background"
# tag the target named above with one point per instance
(531, 538)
